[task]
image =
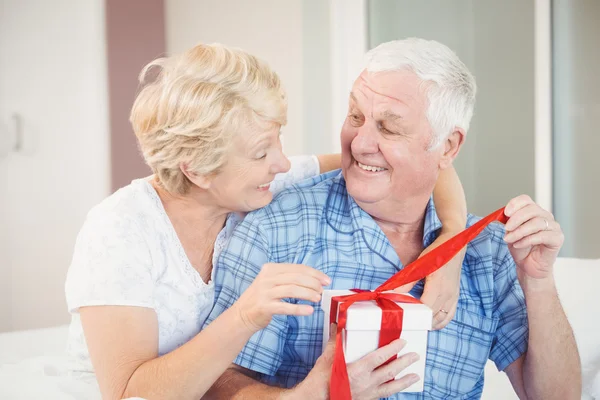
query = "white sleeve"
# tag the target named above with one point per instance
(302, 167)
(111, 265)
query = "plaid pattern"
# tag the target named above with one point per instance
(317, 223)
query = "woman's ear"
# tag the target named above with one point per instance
(202, 181)
(452, 146)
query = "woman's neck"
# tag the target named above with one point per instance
(197, 222)
(196, 208)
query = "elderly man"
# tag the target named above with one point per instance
(409, 112)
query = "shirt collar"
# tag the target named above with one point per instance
(345, 216)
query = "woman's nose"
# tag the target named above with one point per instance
(281, 164)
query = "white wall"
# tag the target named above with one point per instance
(269, 29)
(497, 160)
(52, 73)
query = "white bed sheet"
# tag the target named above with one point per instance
(33, 365)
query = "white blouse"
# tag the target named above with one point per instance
(127, 253)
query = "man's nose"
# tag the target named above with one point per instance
(366, 140)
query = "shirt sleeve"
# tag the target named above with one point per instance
(302, 167)
(111, 265)
(512, 333)
(237, 267)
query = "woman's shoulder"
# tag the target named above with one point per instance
(134, 204)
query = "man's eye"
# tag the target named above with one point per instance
(355, 118)
(261, 155)
(385, 130)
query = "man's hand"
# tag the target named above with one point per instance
(441, 287)
(534, 239)
(369, 378)
(316, 384)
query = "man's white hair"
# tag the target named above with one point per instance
(451, 91)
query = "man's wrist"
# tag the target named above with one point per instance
(295, 393)
(538, 285)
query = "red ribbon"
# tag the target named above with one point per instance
(392, 313)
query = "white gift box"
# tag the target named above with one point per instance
(362, 332)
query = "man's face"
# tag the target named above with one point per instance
(385, 141)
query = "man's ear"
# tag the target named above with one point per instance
(202, 181)
(452, 146)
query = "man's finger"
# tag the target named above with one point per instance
(381, 355)
(396, 386)
(553, 240)
(329, 350)
(516, 204)
(388, 372)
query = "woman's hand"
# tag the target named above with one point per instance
(275, 282)
(441, 287)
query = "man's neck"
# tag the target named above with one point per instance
(406, 217)
(403, 224)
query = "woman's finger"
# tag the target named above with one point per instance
(295, 292)
(405, 288)
(274, 269)
(293, 278)
(283, 308)
(447, 316)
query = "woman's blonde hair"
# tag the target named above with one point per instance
(199, 99)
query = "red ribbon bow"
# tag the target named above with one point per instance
(391, 319)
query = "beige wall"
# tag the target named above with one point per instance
(269, 29)
(496, 162)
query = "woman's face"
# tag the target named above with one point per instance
(254, 159)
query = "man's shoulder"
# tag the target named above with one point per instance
(489, 244)
(303, 200)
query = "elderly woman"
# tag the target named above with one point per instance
(139, 287)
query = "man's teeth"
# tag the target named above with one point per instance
(264, 185)
(370, 167)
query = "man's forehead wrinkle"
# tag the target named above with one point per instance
(369, 87)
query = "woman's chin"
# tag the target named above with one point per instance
(259, 201)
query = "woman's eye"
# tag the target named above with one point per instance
(261, 155)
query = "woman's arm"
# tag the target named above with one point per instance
(329, 162)
(123, 346)
(442, 287)
(305, 167)
(450, 202)
(123, 341)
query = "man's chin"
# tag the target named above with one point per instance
(363, 193)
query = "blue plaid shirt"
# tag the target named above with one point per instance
(317, 223)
